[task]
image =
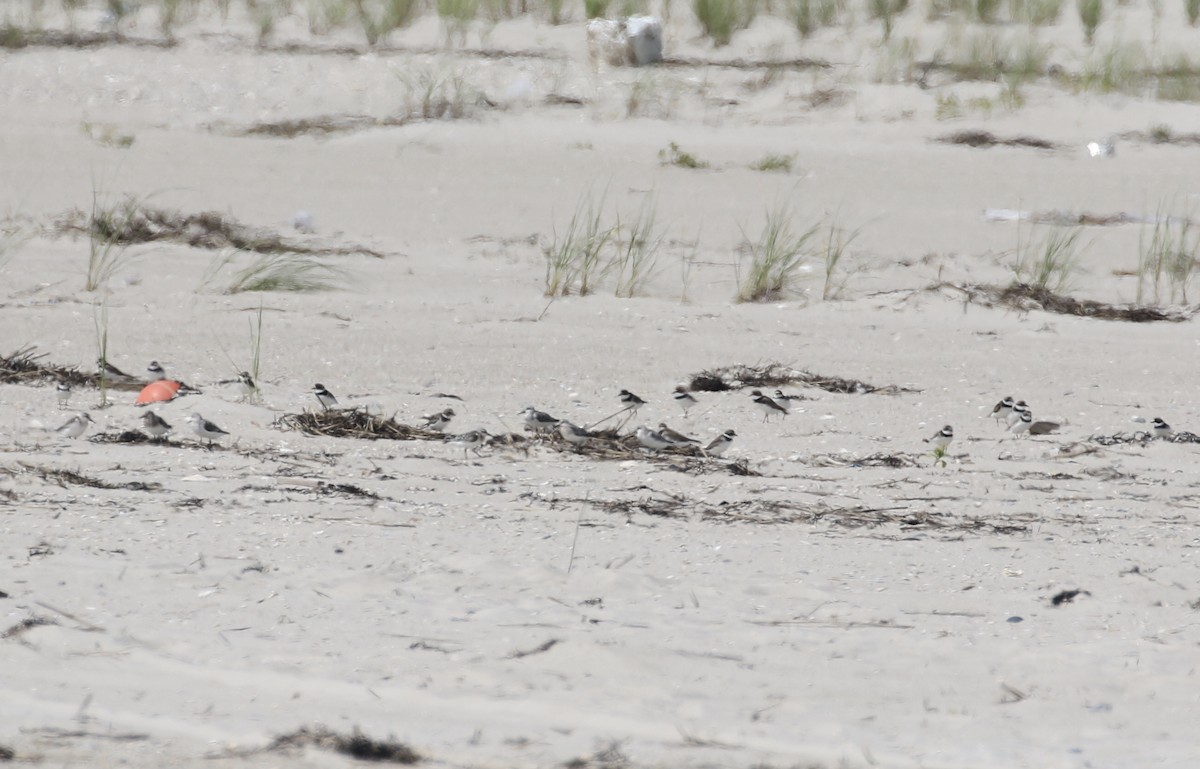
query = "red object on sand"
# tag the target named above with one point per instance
(156, 392)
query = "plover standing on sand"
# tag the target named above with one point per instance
(941, 439)
(720, 443)
(1002, 409)
(1161, 429)
(473, 441)
(769, 407)
(249, 386)
(1023, 422)
(155, 425)
(75, 426)
(439, 421)
(155, 371)
(205, 429)
(1017, 413)
(324, 397)
(63, 391)
(684, 398)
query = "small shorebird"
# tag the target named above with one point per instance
(155, 425)
(1161, 429)
(439, 421)
(685, 399)
(325, 397)
(63, 391)
(631, 401)
(205, 429)
(573, 433)
(155, 371)
(1019, 409)
(720, 443)
(1002, 409)
(679, 439)
(111, 372)
(783, 399)
(941, 439)
(652, 439)
(472, 441)
(769, 407)
(539, 421)
(249, 386)
(75, 426)
(1022, 423)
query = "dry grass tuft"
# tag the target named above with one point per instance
(1024, 297)
(354, 423)
(987, 139)
(24, 366)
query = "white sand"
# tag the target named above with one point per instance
(226, 605)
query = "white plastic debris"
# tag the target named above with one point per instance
(634, 41)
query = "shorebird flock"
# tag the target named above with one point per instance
(1015, 416)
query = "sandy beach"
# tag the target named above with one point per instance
(828, 593)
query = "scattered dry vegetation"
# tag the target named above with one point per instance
(741, 376)
(988, 139)
(25, 366)
(356, 745)
(1026, 298)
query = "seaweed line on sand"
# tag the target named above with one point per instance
(64, 478)
(356, 745)
(132, 222)
(776, 512)
(740, 376)
(25, 366)
(1024, 297)
(987, 139)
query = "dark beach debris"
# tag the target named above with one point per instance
(356, 745)
(7, 753)
(776, 512)
(125, 436)
(26, 624)
(1067, 596)
(539, 649)
(674, 62)
(354, 423)
(25, 366)
(1162, 135)
(1143, 437)
(15, 37)
(132, 221)
(988, 139)
(318, 49)
(877, 459)
(320, 125)
(328, 489)
(1024, 297)
(65, 478)
(777, 374)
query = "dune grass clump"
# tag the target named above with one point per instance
(1090, 14)
(673, 155)
(456, 16)
(300, 273)
(1049, 264)
(637, 246)
(574, 260)
(833, 252)
(721, 18)
(431, 93)
(379, 18)
(1167, 260)
(776, 258)
(780, 163)
(107, 251)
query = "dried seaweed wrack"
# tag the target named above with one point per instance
(777, 375)
(1024, 297)
(25, 366)
(988, 139)
(354, 423)
(356, 745)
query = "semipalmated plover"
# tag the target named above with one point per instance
(1002, 409)
(631, 401)
(1022, 424)
(325, 397)
(720, 443)
(63, 391)
(941, 439)
(439, 421)
(1019, 409)
(684, 398)
(155, 371)
(1161, 429)
(769, 407)
(249, 386)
